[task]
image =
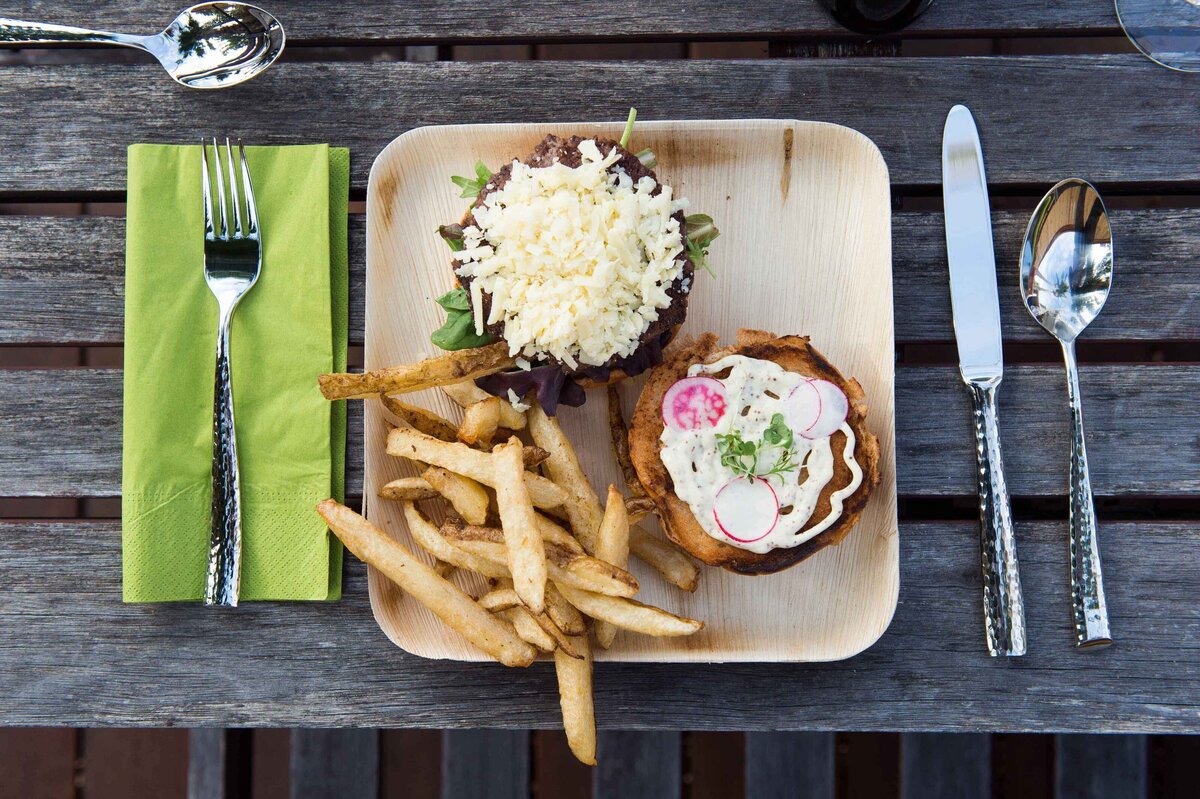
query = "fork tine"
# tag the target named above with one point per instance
(248, 190)
(207, 191)
(233, 190)
(221, 190)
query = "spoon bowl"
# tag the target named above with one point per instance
(1067, 259)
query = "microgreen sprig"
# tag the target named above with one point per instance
(699, 233)
(742, 457)
(471, 188)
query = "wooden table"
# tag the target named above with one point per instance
(72, 654)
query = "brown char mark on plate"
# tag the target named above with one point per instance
(785, 177)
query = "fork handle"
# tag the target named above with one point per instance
(1003, 605)
(1087, 582)
(225, 541)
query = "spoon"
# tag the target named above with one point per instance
(1066, 272)
(208, 46)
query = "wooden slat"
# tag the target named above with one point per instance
(218, 764)
(790, 765)
(638, 765)
(62, 279)
(558, 773)
(1100, 767)
(74, 654)
(410, 764)
(37, 764)
(309, 22)
(271, 753)
(485, 764)
(714, 765)
(118, 764)
(334, 764)
(945, 766)
(290, 103)
(1136, 415)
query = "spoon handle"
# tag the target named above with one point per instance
(1087, 583)
(16, 30)
(1003, 605)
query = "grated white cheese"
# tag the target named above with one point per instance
(577, 260)
(515, 401)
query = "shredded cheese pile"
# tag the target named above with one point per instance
(577, 260)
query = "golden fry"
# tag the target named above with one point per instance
(575, 697)
(612, 546)
(468, 497)
(420, 581)
(479, 466)
(581, 505)
(564, 614)
(499, 599)
(429, 539)
(619, 434)
(452, 367)
(526, 556)
(664, 557)
(408, 488)
(579, 571)
(424, 420)
(467, 394)
(630, 614)
(528, 628)
(479, 423)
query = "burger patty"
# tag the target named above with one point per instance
(566, 152)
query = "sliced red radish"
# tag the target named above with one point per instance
(802, 407)
(746, 509)
(694, 403)
(834, 408)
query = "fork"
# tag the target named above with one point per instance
(232, 261)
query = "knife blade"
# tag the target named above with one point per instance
(975, 305)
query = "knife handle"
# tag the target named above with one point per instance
(1003, 607)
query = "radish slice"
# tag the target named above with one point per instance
(694, 403)
(834, 408)
(746, 509)
(802, 408)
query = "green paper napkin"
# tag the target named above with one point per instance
(291, 327)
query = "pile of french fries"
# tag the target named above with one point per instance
(523, 515)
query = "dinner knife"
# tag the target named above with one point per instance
(975, 305)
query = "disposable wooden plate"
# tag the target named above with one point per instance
(805, 247)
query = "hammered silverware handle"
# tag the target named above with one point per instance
(1003, 607)
(17, 30)
(225, 542)
(1087, 582)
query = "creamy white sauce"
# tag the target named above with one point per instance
(755, 391)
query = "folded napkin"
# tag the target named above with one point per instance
(290, 328)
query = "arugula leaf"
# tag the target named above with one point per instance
(453, 236)
(471, 188)
(699, 233)
(459, 331)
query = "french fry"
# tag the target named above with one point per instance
(579, 571)
(563, 613)
(639, 508)
(629, 614)
(501, 599)
(408, 488)
(424, 420)
(480, 421)
(422, 583)
(429, 539)
(467, 394)
(619, 435)
(551, 534)
(612, 546)
(664, 557)
(452, 367)
(526, 555)
(528, 628)
(575, 698)
(468, 497)
(408, 443)
(581, 505)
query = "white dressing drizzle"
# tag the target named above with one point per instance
(756, 390)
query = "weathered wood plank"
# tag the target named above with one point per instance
(485, 764)
(638, 765)
(71, 653)
(1100, 767)
(334, 764)
(62, 279)
(118, 764)
(945, 766)
(1137, 416)
(37, 764)
(714, 764)
(308, 21)
(289, 104)
(218, 763)
(410, 764)
(790, 765)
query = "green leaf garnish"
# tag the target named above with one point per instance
(628, 127)
(699, 233)
(453, 236)
(459, 331)
(471, 188)
(742, 457)
(647, 157)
